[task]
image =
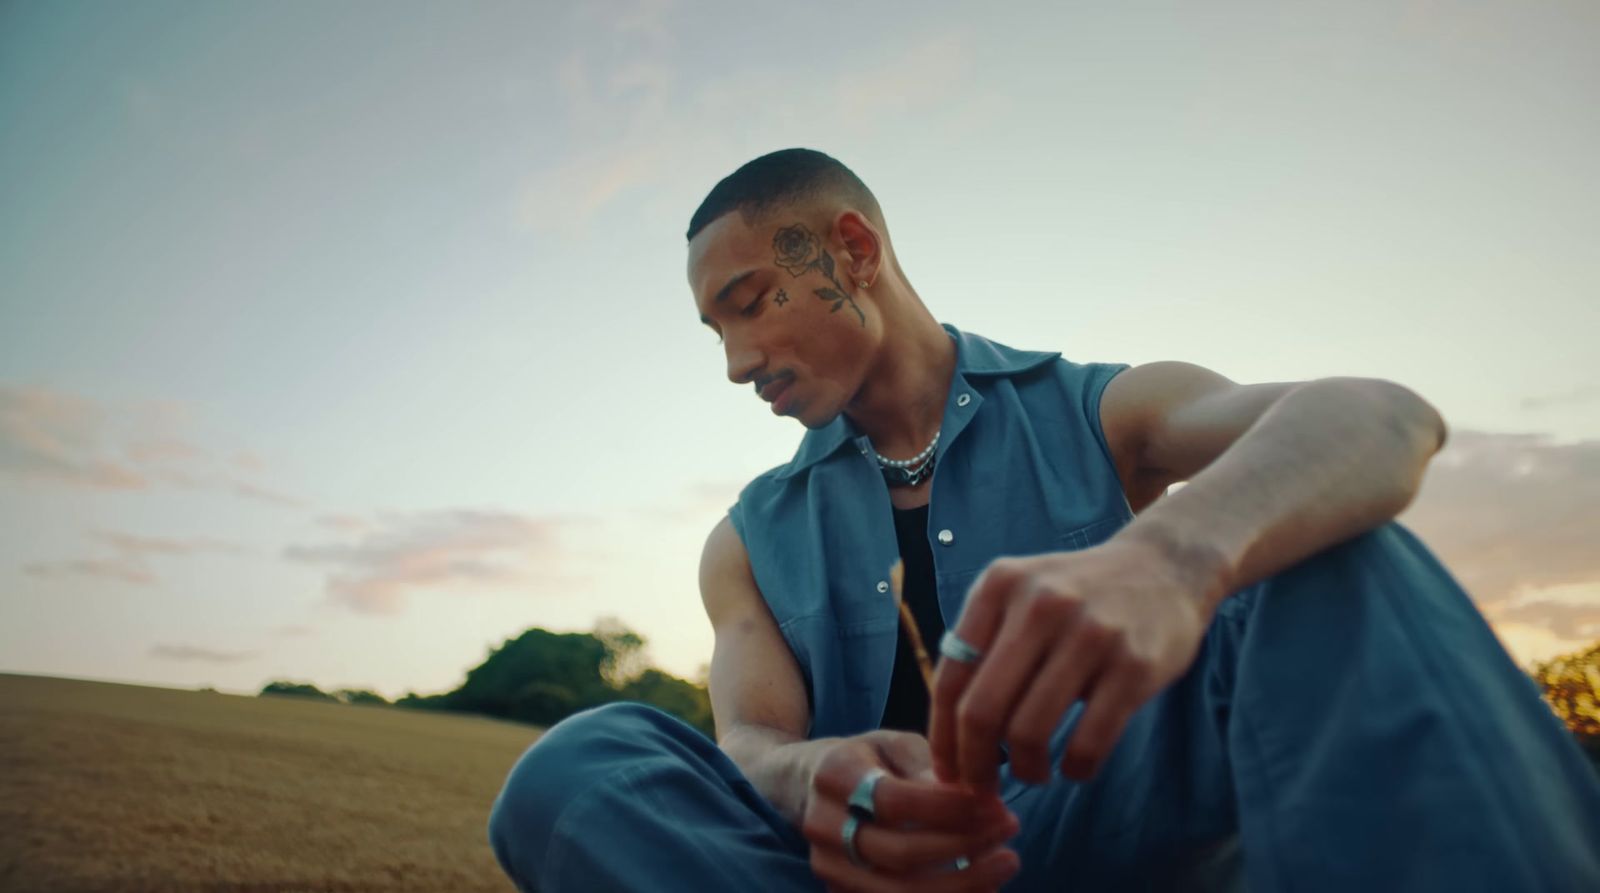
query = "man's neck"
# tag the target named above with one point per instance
(901, 404)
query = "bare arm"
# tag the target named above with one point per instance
(1277, 471)
(757, 694)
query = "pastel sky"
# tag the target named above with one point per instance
(340, 342)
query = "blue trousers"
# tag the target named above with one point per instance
(1350, 724)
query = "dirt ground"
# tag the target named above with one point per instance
(126, 788)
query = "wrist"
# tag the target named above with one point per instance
(1203, 567)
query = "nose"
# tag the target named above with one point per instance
(744, 361)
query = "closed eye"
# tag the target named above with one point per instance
(754, 305)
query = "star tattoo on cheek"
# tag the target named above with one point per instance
(782, 298)
(800, 252)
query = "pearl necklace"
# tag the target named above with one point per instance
(908, 472)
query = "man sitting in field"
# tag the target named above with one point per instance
(1255, 680)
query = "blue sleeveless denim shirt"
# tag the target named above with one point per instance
(1022, 468)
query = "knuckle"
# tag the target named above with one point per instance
(1044, 608)
(1005, 567)
(827, 871)
(1139, 669)
(1028, 740)
(976, 717)
(1095, 634)
(811, 827)
(839, 766)
(997, 578)
(893, 854)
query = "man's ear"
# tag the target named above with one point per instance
(863, 245)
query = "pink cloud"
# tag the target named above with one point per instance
(131, 562)
(132, 543)
(59, 437)
(121, 568)
(247, 490)
(1515, 518)
(198, 653)
(62, 438)
(447, 550)
(342, 522)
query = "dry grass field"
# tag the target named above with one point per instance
(126, 788)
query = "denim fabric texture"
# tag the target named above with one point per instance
(1351, 723)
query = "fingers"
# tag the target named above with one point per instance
(1001, 680)
(1112, 700)
(921, 826)
(1062, 678)
(978, 626)
(895, 850)
(902, 801)
(988, 871)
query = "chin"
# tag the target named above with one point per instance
(812, 420)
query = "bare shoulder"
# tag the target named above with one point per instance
(727, 585)
(755, 679)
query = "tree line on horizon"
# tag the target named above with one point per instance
(542, 677)
(1570, 684)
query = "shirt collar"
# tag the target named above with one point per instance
(975, 355)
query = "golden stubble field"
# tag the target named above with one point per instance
(107, 787)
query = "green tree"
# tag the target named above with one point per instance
(542, 677)
(281, 688)
(625, 655)
(1571, 686)
(542, 703)
(359, 696)
(573, 661)
(683, 699)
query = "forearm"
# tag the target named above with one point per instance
(1329, 460)
(778, 764)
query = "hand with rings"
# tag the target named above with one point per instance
(1110, 626)
(878, 820)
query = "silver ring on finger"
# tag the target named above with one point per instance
(861, 801)
(852, 824)
(956, 648)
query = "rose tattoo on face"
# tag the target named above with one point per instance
(799, 252)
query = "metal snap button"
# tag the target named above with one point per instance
(963, 400)
(946, 537)
(883, 585)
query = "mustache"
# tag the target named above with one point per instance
(781, 375)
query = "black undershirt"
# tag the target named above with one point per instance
(907, 707)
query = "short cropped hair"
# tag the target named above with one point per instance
(780, 179)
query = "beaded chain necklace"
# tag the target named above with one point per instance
(908, 472)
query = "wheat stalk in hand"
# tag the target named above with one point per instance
(897, 576)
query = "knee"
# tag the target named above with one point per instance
(571, 757)
(1388, 558)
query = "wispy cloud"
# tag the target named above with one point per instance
(293, 630)
(247, 490)
(130, 563)
(200, 654)
(132, 543)
(1515, 518)
(344, 523)
(638, 126)
(1564, 399)
(57, 437)
(119, 568)
(459, 550)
